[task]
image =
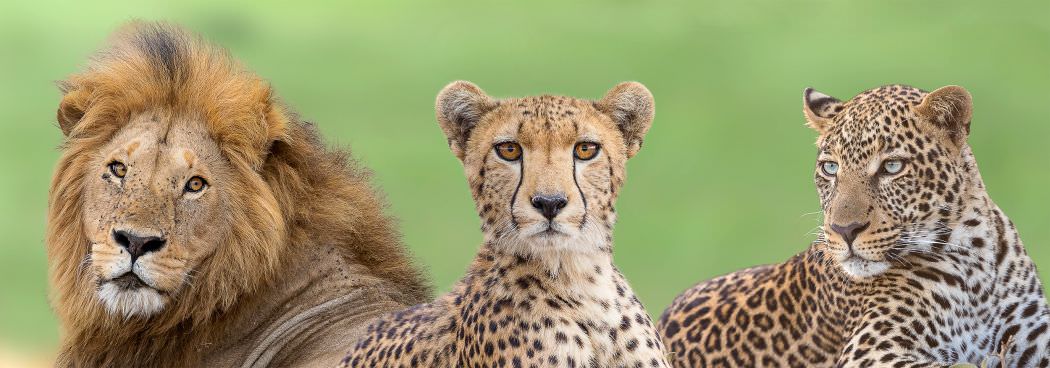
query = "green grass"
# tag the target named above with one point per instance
(724, 181)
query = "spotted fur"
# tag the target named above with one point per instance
(542, 291)
(916, 268)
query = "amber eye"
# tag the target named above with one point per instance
(196, 184)
(585, 150)
(509, 151)
(118, 168)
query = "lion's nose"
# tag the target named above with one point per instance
(138, 245)
(549, 205)
(850, 232)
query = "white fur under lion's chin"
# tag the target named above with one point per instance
(141, 302)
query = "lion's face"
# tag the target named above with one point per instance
(153, 211)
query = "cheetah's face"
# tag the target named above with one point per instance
(544, 171)
(889, 173)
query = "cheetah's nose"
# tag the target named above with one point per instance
(849, 232)
(549, 205)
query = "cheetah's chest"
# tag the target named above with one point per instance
(597, 322)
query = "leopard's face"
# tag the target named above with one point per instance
(890, 173)
(545, 171)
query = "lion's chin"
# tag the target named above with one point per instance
(141, 301)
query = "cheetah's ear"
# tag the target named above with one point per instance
(460, 106)
(949, 108)
(819, 108)
(631, 107)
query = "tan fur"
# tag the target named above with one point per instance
(949, 107)
(543, 290)
(914, 266)
(288, 240)
(819, 108)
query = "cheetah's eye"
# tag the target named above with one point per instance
(892, 166)
(586, 150)
(829, 168)
(195, 184)
(509, 151)
(118, 168)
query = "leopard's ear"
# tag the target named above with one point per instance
(459, 107)
(949, 108)
(819, 109)
(631, 107)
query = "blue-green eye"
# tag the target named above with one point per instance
(830, 168)
(892, 166)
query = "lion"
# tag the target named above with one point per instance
(195, 220)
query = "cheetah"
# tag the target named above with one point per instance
(542, 291)
(915, 265)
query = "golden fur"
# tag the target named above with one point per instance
(543, 290)
(285, 189)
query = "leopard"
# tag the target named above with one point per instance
(914, 265)
(542, 291)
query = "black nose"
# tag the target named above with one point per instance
(138, 245)
(549, 205)
(849, 232)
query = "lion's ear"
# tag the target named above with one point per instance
(276, 117)
(631, 107)
(264, 136)
(71, 109)
(459, 107)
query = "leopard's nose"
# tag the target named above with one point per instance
(549, 205)
(850, 232)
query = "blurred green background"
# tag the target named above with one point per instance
(724, 181)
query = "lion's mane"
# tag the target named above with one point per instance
(298, 192)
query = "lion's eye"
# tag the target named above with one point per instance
(509, 151)
(196, 184)
(586, 150)
(892, 166)
(830, 168)
(118, 168)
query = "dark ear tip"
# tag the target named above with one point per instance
(806, 92)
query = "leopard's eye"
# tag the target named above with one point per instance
(892, 166)
(195, 184)
(509, 151)
(119, 169)
(586, 150)
(829, 168)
